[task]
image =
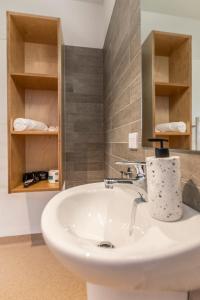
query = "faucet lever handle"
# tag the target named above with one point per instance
(140, 170)
(139, 166)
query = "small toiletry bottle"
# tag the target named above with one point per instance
(164, 184)
(53, 176)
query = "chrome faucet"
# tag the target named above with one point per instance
(128, 177)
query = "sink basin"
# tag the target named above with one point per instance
(150, 259)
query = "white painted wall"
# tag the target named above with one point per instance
(159, 21)
(108, 6)
(81, 20)
(188, 9)
(83, 24)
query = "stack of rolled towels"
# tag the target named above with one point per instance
(172, 126)
(21, 124)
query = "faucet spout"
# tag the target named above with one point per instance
(109, 182)
(140, 175)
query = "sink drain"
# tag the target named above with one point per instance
(105, 244)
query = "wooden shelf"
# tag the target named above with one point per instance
(167, 42)
(36, 81)
(34, 132)
(169, 89)
(172, 133)
(37, 187)
(167, 86)
(34, 92)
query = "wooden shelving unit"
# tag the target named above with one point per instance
(167, 86)
(170, 133)
(36, 81)
(34, 91)
(34, 132)
(169, 89)
(38, 187)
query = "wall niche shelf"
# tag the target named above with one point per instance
(37, 187)
(172, 133)
(167, 86)
(169, 89)
(34, 92)
(34, 132)
(36, 81)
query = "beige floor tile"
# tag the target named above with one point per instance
(32, 273)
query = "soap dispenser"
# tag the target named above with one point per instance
(164, 184)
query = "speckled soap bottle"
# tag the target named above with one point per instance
(164, 184)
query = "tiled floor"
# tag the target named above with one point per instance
(30, 272)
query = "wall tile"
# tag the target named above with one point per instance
(81, 98)
(136, 90)
(118, 103)
(127, 115)
(83, 110)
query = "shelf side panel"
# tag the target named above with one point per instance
(161, 68)
(60, 112)
(161, 110)
(41, 153)
(17, 161)
(41, 58)
(15, 47)
(147, 90)
(42, 106)
(180, 66)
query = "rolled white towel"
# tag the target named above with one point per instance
(173, 126)
(21, 124)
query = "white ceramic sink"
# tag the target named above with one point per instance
(158, 261)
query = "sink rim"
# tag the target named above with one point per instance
(70, 249)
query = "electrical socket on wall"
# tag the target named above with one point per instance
(133, 140)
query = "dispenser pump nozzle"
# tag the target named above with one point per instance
(160, 152)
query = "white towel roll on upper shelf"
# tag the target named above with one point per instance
(173, 126)
(21, 124)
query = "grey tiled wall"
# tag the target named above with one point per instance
(122, 84)
(83, 115)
